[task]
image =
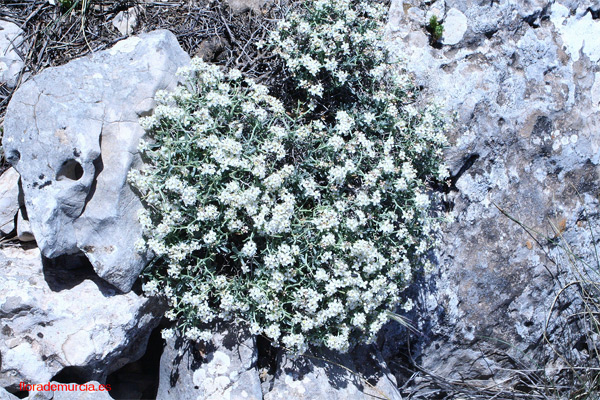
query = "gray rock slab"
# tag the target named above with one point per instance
(72, 133)
(24, 233)
(224, 369)
(361, 374)
(9, 200)
(242, 6)
(455, 26)
(11, 64)
(4, 395)
(523, 82)
(51, 319)
(126, 21)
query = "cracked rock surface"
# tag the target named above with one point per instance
(72, 134)
(223, 370)
(361, 374)
(524, 80)
(52, 318)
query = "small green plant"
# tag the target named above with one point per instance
(67, 9)
(68, 6)
(303, 224)
(65, 4)
(435, 29)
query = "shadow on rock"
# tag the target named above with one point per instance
(67, 271)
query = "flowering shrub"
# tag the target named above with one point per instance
(334, 49)
(305, 227)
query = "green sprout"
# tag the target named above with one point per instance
(435, 29)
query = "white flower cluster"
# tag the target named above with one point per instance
(326, 46)
(305, 227)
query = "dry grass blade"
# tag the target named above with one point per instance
(572, 325)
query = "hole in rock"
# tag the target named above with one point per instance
(532, 20)
(13, 157)
(72, 374)
(595, 13)
(137, 286)
(543, 126)
(139, 379)
(267, 357)
(98, 167)
(489, 34)
(21, 200)
(21, 394)
(581, 344)
(67, 271)
(71, 169)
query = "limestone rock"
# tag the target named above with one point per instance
(225, 369)
(24, 233)
(242, 6)
(209, 49)
(437, 9)
(11, 64)
(4, 395)
(72, 133)
(9, 200)
(577, 34)
(455, 26)
(54, 318)
(126, 21)
(322, 377)
(523, 83)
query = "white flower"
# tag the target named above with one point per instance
(174, 184)
(369, 117)
(408, 171)
(321, 275)
(284, 255)
(189, 196)
(359, 320)
(140, 245)
(210, 238)
(167, 333)
(310, 187)
(150, 288)
(400, 184)
(249, 249)
(234, 74)
(344, 122)
(421, 200)
(342, 76)
(271, 261)
(254, 328)
(316, 90)
(273, 331)
(328, 240)
(293, 341)
(337, 342)
(386, 226)
(208, 213)
(208, 169)
(312, 65)
(336, 142)
(408, 305)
